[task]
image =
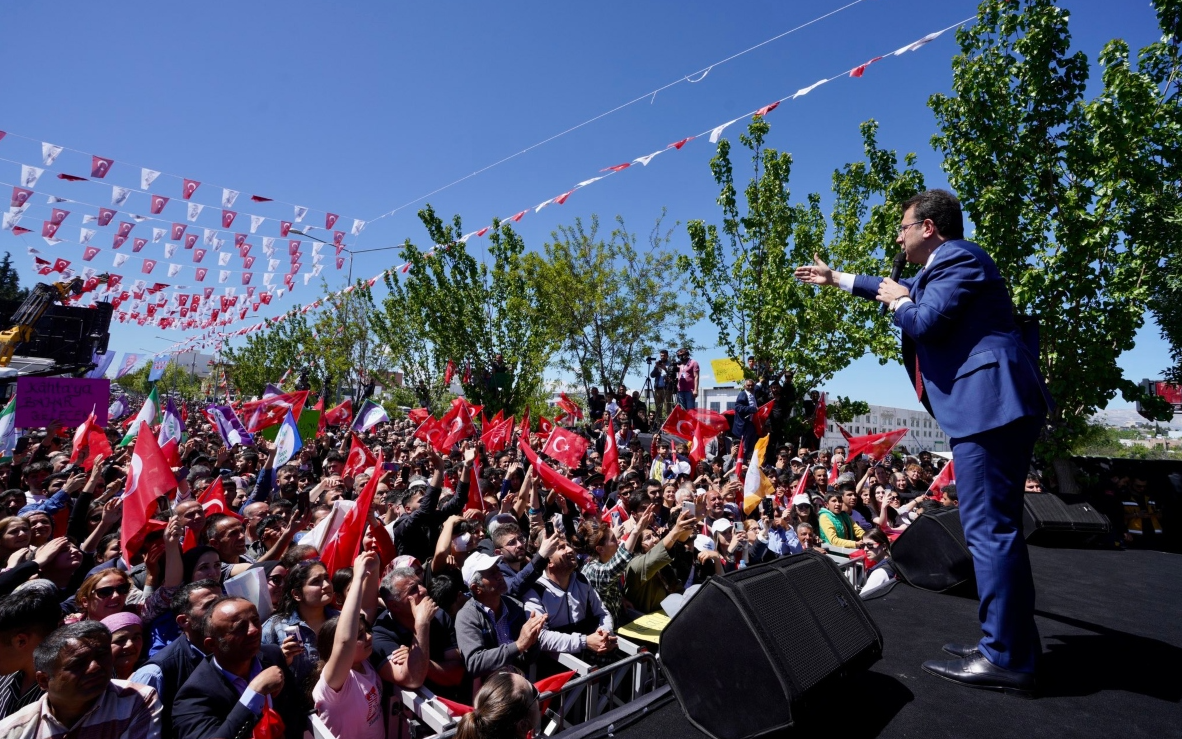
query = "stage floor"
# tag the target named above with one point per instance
(1111, 628)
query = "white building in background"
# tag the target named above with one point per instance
(923, 433)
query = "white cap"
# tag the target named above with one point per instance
(720, 525)
(478, 562)
(703, 543)
(802, 499)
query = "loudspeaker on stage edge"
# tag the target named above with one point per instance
(931, 553)
(1060, 520)
(763, 638)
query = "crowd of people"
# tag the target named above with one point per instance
(470, 567)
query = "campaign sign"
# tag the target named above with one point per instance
(68, 400)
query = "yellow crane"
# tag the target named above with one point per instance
(25, 318)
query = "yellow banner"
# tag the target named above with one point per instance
(726, 370)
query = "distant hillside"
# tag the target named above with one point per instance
(1125, 416)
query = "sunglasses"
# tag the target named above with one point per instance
(108, 590)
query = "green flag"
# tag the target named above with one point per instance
(147, 415)
(8, 430)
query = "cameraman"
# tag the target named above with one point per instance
(664, 377)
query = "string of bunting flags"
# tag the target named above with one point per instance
(213, 318)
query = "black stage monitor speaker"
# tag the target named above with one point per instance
(747, 648)
(931, 553)
(1049, 519)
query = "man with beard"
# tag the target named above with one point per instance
(573, 607)
(521, 571)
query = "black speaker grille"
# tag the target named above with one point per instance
(791, 629)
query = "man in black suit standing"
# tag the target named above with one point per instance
(746, 405)
(226, 694)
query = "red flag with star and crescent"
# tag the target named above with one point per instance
(680, 423)
(876, 446)
(359, 460)
(566, 447)
(611, 454)
(433, 432)
(552, 479)
(571, 407)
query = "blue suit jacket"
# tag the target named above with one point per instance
(745, 408)
(978, 373)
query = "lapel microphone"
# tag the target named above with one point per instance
(896, 270)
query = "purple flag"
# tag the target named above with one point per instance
(230, 428)
(102, 363)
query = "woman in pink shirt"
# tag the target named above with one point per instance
(348, 692)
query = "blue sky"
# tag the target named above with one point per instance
(356, 108)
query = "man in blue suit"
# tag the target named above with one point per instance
(974, 373)
(746, 405)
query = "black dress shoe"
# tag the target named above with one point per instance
(961, 650)
(978, 672)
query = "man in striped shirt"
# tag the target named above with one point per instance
(81, 700)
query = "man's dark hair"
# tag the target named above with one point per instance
(334, 457)
(950, 492)
(213, 521)
(31, 610)
(198, 472)
(45, 656)
(41, 466)
(638, 499)
(942, 208)
(265, 522)
(445, 588)
(505, 532)
(182, 600)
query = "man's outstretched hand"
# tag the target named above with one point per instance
(817, 273)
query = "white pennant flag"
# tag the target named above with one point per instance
(717, 132)
(317, 247)
(120, 259)
(147, 177)
(279, 293)
(86, 235)
(358, 227)
(30, 175)
(300, 212)
(51, 240)
(228, 197)
(223, 275)
(54, 199)
(157, 234)
(255, 222)
(119, 195)
(207, 239)
(268, 278)
(169, 250)
(543, 204)
(307, 276)
(89, 219)
(644, 160)
(268, 243)
(49, 152)
(806, 90)
(194, 210)
(584, 183)
(272, 264)
(316, 268)
(174, 270)
(913, 46)
(218, 244)
(317, 258)
(223, 259)
(88, 273)
(10, 220)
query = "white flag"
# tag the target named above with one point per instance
(157, 234)
(120, 259)
(223, 259)
(584, 183)
(317, 258)
(316, 268)
(358, 227)
(51, 240)
(223, 275)
(49, 152)
(89, 219)
(138, 219)
(307, 276)
(207, 239)
(317, 247)
(644, 160)
(717, 132)
(86, 235)
(169, 250)
(279, 293)
(272, 264)
(147, 177)
(174, 270)
(268, 278)
(300, 212)
(218, 244)
(52, 199)
(806, 90)
(268, 243)
(30, 175)
(119, 195)
(194, 210)
(913, 46)
(228, 197)
(543, 204)
(10, 220)
(255, 222)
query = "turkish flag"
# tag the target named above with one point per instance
(20, 196)
(498, 435)
(260, 414)
(820, 418)
(178, 231)
(418, 415)
(149, 478)
(190, 240)
(338, 237)
(947, 476)
(340, 415)
(149, 265)
(572, 409)
(761, 416)
(58, 216)
(48, 229)
(228, 217)
(713, 423)
(359, 460)
(611, 454)
(876, 446)
(550, 477)
(89, 253)
(201, 272)
(432, 431)
(60, 265)
(105, 215)
(100, 166)
(137, 244)
(475, 499)
(330, 220)
(189, 188)
(545, 427)
(767, 109)
(566, 447)
(158, 203)
(460, 427)
(448, 372)
(680, 423)
(284, 228)
(340, 551)
(697, 450)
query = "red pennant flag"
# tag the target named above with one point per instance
(460, 427)
(105, 215)
(149, 478)
(284, 228)
(60, 265)
(566, 447)
(201, 272)
(681, 423)
(178, 231)
(71, 178)
(48, 229)
(189, 188)
(697, 450)
(58, 216)
(947, 476)
(260, 199)
(359, 460)
(260, 414)
(713, 423)
(448, 372)
(611, 454)
(89, 253)
(876, 446)
(340, 415)
(190, 240)
(137, 244)
(820, 418)
(432, 431)
(338, 237)
(100, 166)
(20, 196)
(516, 218)
(550, 477)
(761, 416)
(860, 70)
(418, 415)
(479, 233)
(228, 217)
(341, 550)
(617, 167)
(545, 427)
(498, 435)
(679, 144)
(560, 199)
(767, 109)
(21, 231)
(149, 265)
(330, 220)
(572, 409)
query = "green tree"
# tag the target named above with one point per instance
(1074, 198)
(176, 379)
(450, 306)
(744, 271)
(266, 355)
(610, 304)
(10, 282)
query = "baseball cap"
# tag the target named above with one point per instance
(801, 499)
(478, 562)
(721, 525)
(417, 481)
(796, 460)
(702, 543)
